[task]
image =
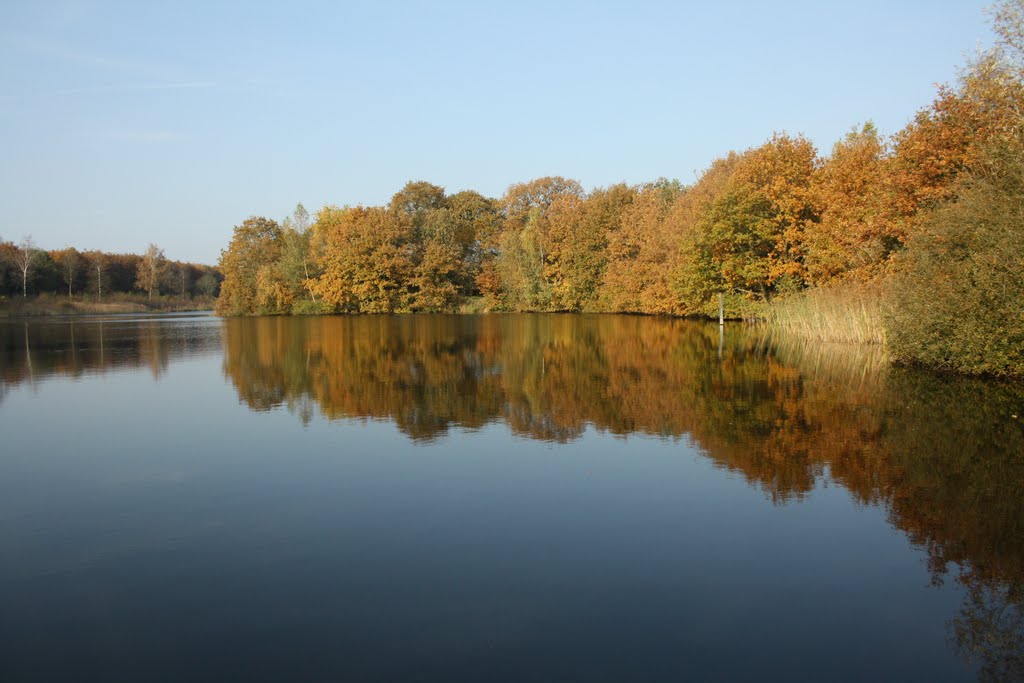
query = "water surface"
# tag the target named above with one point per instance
(505, 497)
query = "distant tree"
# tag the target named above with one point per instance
(207, 284)
(70, 261)
(150, 269)
(25, 258)
(97, 268)
(182, 279)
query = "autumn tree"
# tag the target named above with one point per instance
(691, 268)
(519, 275)
(751, 240)
(150, 270)
(954, 135)
(256, 244)
(955, 301)
(577, 235)
(476, 223)
(366, 262)
(857, 230)
(642, 252)
(440, 256)
(416, 200)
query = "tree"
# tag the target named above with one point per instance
(183, 277)
(69, 260)
(476, 224)
(97, 268)
(518, 276)
(256, 243)
(367, 263)
(751, 239)
(642, 252)
(416, 200)
(578, 231)
(857, 231)
(957, 299)
(25, 258)
(150, 270)
(294, 267)
(207, 284)
(439, 258)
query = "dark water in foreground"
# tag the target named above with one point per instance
(565, 498)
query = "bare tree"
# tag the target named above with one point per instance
(183, 273)
(69, 262)
(24, 257)
(98, 265)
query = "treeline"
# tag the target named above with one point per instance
(930, 218)
(26, 270)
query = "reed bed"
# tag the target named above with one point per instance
(850, 315)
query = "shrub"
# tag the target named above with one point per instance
(957, 299)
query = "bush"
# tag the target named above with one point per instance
(307, 307)
(957, 299)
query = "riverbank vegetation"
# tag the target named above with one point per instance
(883, 239)
(54, 304)
(34, 281)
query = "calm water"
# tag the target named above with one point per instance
(565, 498)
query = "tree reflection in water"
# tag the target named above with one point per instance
(943, 455)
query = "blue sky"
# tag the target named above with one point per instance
(128, 123)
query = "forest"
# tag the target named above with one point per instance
(98, 277)
(915, 237)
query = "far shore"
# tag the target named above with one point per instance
(53, 306)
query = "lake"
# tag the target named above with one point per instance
(498, 498)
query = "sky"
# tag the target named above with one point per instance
(124, 124)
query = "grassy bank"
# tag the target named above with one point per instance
(49, 304)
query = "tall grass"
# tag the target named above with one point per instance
(851, 314)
